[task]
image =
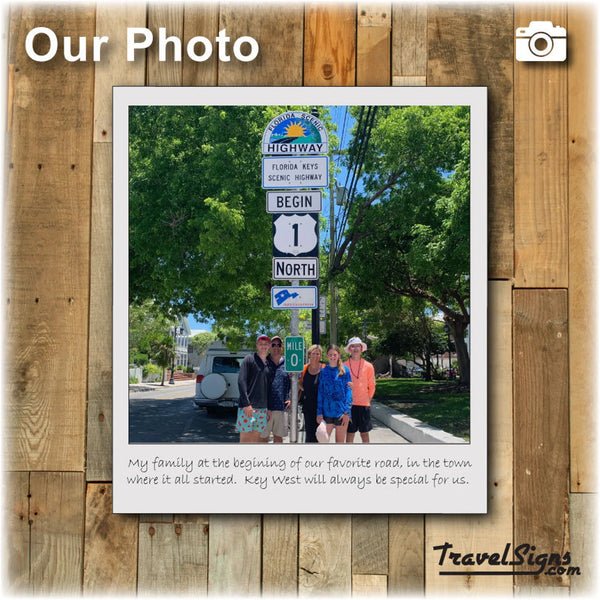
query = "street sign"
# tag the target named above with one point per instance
(296, 235)
(304, 296)
(296, 268)
(295, 132)
(294, 354)
(303, 201)
(295, 172)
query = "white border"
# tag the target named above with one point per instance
(300, 498)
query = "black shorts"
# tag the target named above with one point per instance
(361, 419)
(337, 421)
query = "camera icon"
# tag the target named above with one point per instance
(541, 41)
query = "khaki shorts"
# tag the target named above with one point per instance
(278, 424)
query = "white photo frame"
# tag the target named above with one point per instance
(445, 478)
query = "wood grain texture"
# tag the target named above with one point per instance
(168, 71)
(200, 20)
(492, 531)
(409, 42)
(406, 555)
(172, 559)
(279, 555)
(583, 227)
(111, 545)
(583, 523)
(325, 555)
(234, 559)
(541, 164)
(99, 413)
(541, 438)
(47, 252)
(330, 44)
(279, 35)
(57, 532)
(369, 586)
(471, 45)
(15, 545)
(113, 68)
(373, 39)
(370, 544)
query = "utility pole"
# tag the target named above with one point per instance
(333, 300)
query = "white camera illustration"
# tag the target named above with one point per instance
(541, 41)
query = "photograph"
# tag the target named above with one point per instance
(303, 273)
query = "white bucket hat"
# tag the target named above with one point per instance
(356, 340)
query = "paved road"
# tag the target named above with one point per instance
(168, 414)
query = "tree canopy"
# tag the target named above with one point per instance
(199, 234)
(408, 227)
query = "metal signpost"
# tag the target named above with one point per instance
(298, 145)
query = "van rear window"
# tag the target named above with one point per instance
(226, 364)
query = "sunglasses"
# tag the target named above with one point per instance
(276, 345)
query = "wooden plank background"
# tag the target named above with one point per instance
(62, 536)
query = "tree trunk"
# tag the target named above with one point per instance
(462, 354)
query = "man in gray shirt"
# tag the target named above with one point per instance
(254, 382)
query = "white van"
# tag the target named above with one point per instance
(217, 379)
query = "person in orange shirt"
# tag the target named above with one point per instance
(363, 389)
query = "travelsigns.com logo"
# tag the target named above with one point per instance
(526, 557)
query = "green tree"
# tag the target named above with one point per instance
(148, 325)
(163, 354)
(199, 235)
(201, 341)
(408, 227)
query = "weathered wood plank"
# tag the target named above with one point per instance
(409, 42)
(373, 43)
(406, 555)
(490, 532)
(47, 248)
(370, 545)
(330, 44)
(200, 20)
(541, 438)
(99, 414)
(169, 71)
(234, 559)
(541, 163)
(583, 519)
(369, 586)
(16, 532)
(325, 555)
(113, 68)
(57, 527)
(172, 558)
(583, 128)
(111, 544)
(278, 33)
(471, 45)
(280, 555)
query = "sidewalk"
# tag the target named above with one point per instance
(415, 431)
(152, 385)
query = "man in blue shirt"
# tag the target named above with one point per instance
(279, 398)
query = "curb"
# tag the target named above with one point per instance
(415, 431)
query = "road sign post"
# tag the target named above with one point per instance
(297, 173)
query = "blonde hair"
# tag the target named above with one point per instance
(340, 364)
(312, 348)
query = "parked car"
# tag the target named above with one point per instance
(217, 379)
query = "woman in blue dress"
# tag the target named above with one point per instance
(335, 395)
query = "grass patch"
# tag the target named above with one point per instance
(436, 403)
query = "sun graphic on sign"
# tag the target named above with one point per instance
(295, 130)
